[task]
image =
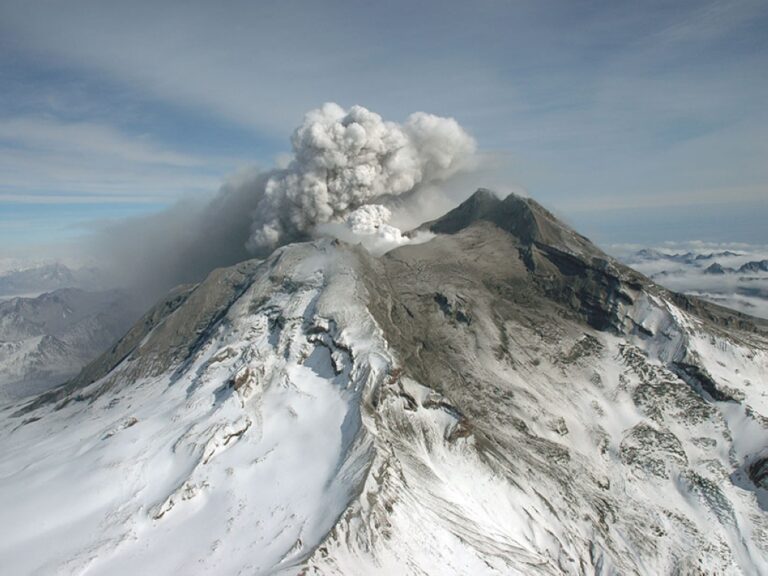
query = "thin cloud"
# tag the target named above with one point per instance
(85, 161)
(89, 138)
(76, 199)
(648, 105)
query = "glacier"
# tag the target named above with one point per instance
(501, 399)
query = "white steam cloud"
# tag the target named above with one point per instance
(345, 159)
(369, 226)
(372, 219)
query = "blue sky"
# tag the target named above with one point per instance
(607, 112)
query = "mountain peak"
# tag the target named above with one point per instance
(523, 217)
(334, 394)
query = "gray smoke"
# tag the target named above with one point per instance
(342, 160)
(151, 254)
(345, 159)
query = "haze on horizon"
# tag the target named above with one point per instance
(637, 123)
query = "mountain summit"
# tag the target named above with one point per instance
(503, 399)
(522, 217)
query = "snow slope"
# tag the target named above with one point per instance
(499, 400)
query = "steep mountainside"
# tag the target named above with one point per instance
(504, 398)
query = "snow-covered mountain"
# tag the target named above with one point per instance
(47, 339)
(33, 280)
(503, 399)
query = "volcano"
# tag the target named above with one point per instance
(502, 399)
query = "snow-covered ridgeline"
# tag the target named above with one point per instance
(291, 436)
(251, 448)
(438, 495)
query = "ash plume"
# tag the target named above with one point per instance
(342, 160)
(345, 159)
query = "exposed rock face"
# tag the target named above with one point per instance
(758, 472)
(502, 399)
(653, 451)
(754, 266)
(716, 269)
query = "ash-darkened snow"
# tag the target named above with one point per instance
(503, 398)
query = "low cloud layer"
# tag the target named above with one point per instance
(728, 274)
(348, 168)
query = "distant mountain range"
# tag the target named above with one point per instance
(748, 268)
(734, 278)
(687, 257)
(48, 338)
(32, 281)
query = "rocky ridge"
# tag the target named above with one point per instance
(542, 408)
